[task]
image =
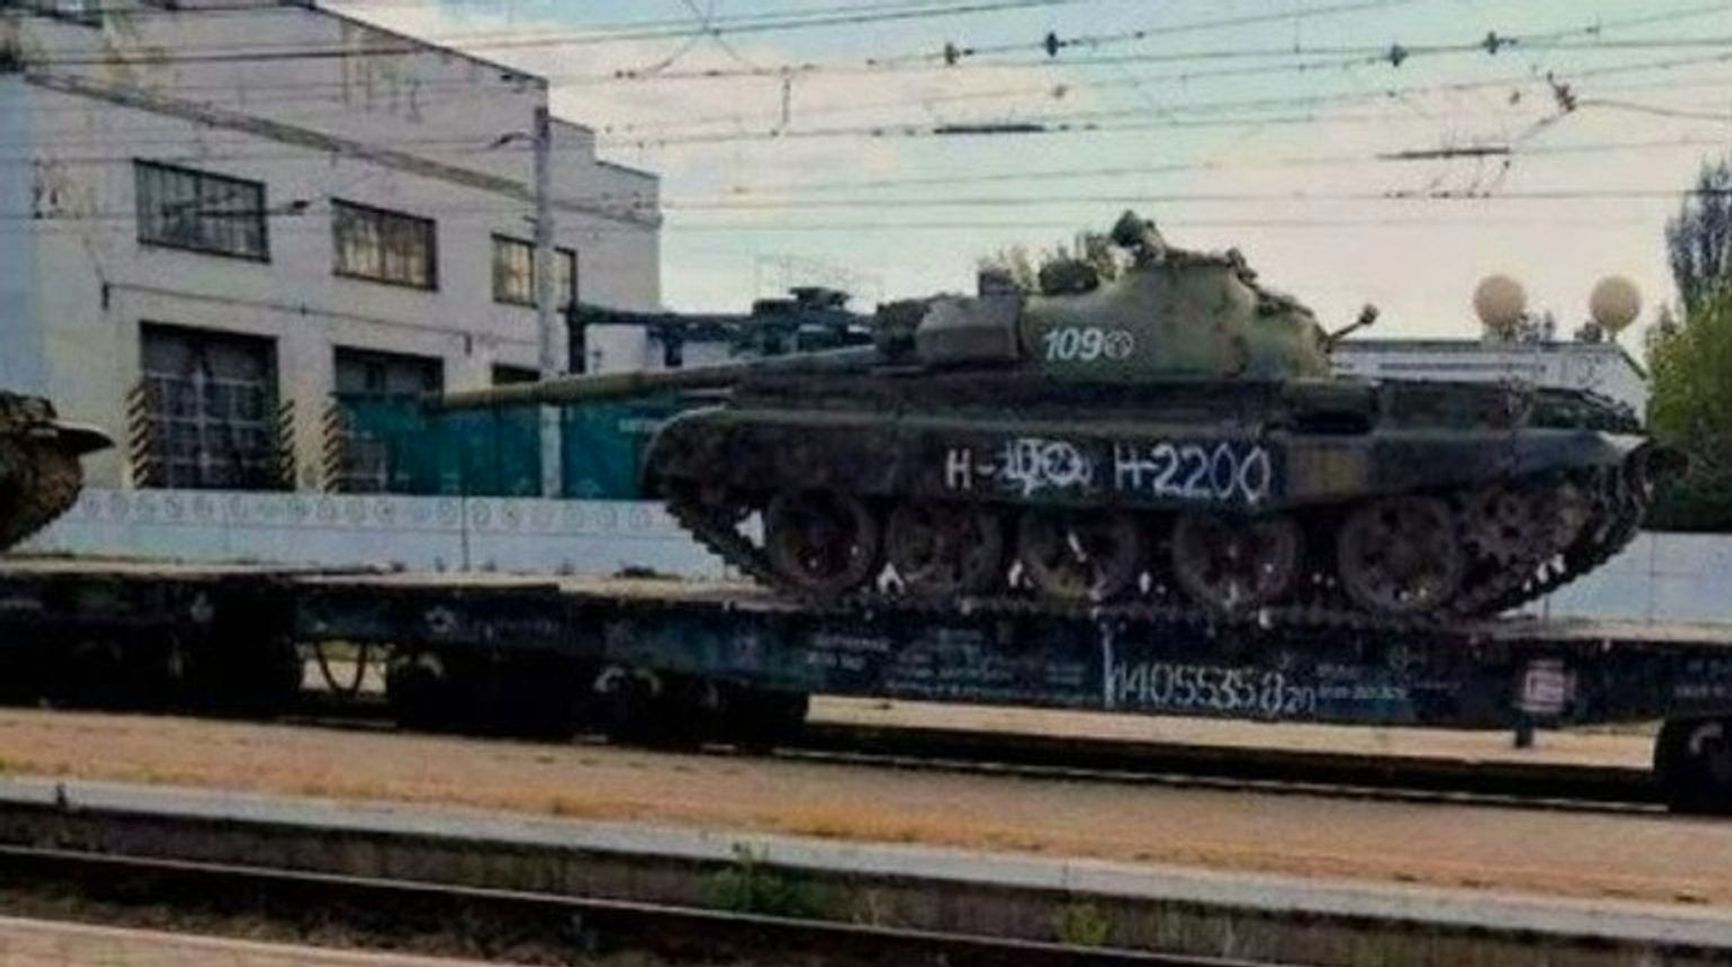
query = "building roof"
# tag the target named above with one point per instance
(1460, 347)
(506, 71)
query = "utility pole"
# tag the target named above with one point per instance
(547, 315)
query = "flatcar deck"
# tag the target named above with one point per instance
(466, 646)
(1484, 674)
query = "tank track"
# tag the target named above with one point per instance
(1598, 543)
(1530, 575)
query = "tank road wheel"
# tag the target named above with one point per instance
(1400, 555)
(1233, 566)
(822, 542)
(1508, 525)
(1080, 556)
(940, 550)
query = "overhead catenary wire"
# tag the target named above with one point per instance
(1133, 198)
(1492, 40)
(406, 47)
(284, 91)
(1092, 200)
(1310, 99)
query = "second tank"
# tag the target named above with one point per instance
(40, 472)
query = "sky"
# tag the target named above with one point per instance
(809, 155)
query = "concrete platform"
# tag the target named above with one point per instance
(1182, 909)
(43, 943)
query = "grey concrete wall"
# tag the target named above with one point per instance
(21, 356)
(1660, 577)
(421, 533)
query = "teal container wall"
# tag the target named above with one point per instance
(496, 453)
(604, 445)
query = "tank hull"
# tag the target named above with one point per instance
(1517, 489)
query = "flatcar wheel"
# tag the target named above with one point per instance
(1400, 556)
(1080, 556)
(1693, 765)
(1232, 566)
(822, 542)
(945, 549)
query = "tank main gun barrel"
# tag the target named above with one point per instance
(597, 387)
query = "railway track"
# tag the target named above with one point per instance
(546, 927)
(1549, 786)
(1545, 786)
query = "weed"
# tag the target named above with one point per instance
(1082, 925)
(750, 885)
(874, 909)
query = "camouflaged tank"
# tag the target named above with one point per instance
(40, 474)
(1171, 442)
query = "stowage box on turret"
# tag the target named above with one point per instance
(40, 474)
(1172, 439)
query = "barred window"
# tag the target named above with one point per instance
(183, 208)
(210, 410)
(385, 246)
(514, 273)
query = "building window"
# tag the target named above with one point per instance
(385, 246)
(183, 208)
(514, 273)
(210, 411)
(504, 375)
(363, 371)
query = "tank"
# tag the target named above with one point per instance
(40, 473)
(1171, 442)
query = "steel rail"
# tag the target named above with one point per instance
(1340, 774)
(384, 909)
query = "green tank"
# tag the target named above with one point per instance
(40, 473)
(1171, 442)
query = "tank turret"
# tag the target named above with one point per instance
(1170, 314)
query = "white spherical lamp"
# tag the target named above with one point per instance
(1500, 303)
(1615, 303)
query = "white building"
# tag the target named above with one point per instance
(1602, 367)
(213, 214)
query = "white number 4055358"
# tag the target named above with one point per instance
(1086, 344)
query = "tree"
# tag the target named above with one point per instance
(1016, 262)
(1092, 249)
(1690, 408)
(1700, 236)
